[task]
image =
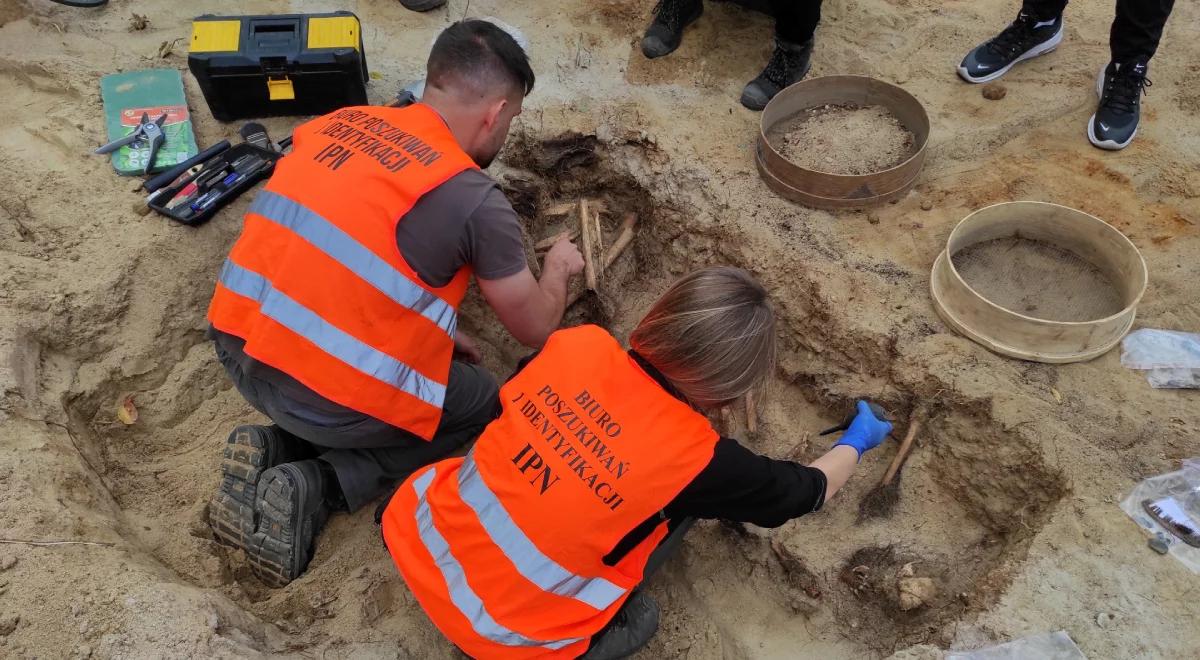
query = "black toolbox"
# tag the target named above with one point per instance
(283, 64)
(221, 179)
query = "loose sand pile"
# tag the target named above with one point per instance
(1038, 279)
(843, 139)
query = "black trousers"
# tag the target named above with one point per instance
(368, 455)
(1136, 30)
(795, 20)
(659, 556)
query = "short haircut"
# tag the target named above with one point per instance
(481, 54)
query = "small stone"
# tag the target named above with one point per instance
(926, 205)
(1160, 546)
(9, 623)
(994, 91)
(7, 562)
(1104, 619)
(873, 219)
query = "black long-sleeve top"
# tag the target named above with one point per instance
(737, 485)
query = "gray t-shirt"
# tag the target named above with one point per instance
(465, 221)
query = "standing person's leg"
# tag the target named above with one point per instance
(1137, 29)
(795, 20)
(795, 23)
(1134, 37)
(1037, 30)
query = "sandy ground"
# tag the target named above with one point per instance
(1008, 503)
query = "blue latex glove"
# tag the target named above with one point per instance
(865, 432)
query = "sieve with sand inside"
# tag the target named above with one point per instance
(820, 187)
(1039, 281)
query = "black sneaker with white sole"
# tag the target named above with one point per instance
(1025, 38)
(1120, 87)
(249, 451)
(666, 30)
(290, 510)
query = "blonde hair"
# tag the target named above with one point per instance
(712, 335)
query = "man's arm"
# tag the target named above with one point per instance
(531, 309)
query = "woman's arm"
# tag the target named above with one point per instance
(743, 486)
(837, 464)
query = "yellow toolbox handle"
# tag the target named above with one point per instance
(281, 89)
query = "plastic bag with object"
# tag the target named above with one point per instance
(1168, 507)
(1171, 358)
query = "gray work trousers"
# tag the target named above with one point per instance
(369, 456)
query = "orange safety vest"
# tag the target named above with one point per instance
(316, 284)
(504, 548)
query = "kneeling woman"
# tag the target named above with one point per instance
(534, 544)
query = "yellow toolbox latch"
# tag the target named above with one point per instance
(280, 89)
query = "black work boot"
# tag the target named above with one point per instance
(631, 629)
(249, 451)
(666, 30)
(1120, 88)
(422, 5)
(290, 510)
(789, 64)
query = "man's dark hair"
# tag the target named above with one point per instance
(480, 53)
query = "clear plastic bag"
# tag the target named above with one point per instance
(1047, 646)
(1176, 379)
(1172, 358)
(1181, 491)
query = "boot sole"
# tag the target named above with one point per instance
(1044, 48)
(231, 512)
(284, 529)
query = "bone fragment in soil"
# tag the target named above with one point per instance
(588, 247)
(624, 238)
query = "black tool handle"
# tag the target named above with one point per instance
(156, 182)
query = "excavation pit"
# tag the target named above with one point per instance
(762, 591)
(963, 537)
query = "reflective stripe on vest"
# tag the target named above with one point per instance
(529, 561)
(309, 325)
(342, 248)
(461, 594)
